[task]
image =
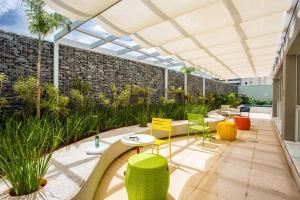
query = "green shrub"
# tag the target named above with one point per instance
(201, 99)
(142, 119)
(123, 98)
(25, 88)
(177, 94)
(84, 87)
(117, 100)
(56, 104)
(104, 100)
(77, 98)
(165, 101)
(3, 101)
(3, 77)
(233, 100)
(142, 95)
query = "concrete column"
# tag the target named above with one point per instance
(289, 97)
(185, 84)
(203, 87)
(56, 64)
(275, 97)
(166, 82)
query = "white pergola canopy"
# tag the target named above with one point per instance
(229, 38)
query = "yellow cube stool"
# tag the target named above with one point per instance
(226, 130)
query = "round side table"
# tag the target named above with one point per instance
(138, 140)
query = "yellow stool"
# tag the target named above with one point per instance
(226, 130)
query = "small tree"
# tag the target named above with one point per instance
(187, 70)
(42, 24)
(3, 101)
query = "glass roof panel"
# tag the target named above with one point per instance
(151, 59)
(164, 57)
(134, 54)
(127, 41)
(80, 37)
(149, 50)
(94, 27)
(112, 47)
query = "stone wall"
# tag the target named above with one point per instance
(18, 58)
(176, 79)
(212, 86)
(195, 85)
(102, 70)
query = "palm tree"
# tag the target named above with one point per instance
(187, 69)
(41, 24)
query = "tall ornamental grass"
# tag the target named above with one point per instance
(26, 149)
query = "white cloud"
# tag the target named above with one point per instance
(7, 5)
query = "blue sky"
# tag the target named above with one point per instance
(12, 17)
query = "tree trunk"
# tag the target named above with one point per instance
(38, 76)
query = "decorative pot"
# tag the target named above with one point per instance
(9, 194)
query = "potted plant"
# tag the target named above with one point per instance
(26, 150)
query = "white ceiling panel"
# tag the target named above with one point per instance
(161, 33)
(175, 8)
(259, 8)
(180, 46)
(231, 37)
(189, 55)
(227, 48)
(264, 41)
(213, 38)
(263, 51)
(205, 19)
(138, 18)
(263, 26)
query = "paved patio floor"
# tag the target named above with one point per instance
(253, 167)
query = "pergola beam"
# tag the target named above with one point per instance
(75, 26)
(100, 42)
(66, 31)
(123, 51)
(142, 57)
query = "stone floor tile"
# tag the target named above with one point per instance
(274, 182)
(253, 167)
(200, 194)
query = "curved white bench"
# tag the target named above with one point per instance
(75, 175)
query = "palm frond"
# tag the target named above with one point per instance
(42, 23)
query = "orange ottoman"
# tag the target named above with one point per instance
(226, 130)
(242, 123)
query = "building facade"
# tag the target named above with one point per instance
(286, 93)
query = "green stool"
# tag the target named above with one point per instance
(147, 177)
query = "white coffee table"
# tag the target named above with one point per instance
(138, 140)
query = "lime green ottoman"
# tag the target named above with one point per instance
(147, 177)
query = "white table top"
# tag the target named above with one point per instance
(140, 140)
